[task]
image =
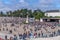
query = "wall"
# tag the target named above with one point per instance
(53, 14)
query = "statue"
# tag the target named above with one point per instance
(27, 19)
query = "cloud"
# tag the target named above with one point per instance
(22, 4)
(22, 1)
(48, 4)
(31, 4)
(4, 7)
(16, 5)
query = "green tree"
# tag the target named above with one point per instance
(38, 14)
(1, 13)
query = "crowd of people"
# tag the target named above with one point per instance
(36, 29)
(42, 29)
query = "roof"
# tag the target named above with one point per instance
(52, 11)
(51, 18)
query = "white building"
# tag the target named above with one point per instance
(54, 16)
(52, 13)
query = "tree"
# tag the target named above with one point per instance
(30, 13)
(38, 14)
(1, 13)
(23, 13)
(7, 14)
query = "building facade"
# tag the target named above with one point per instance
(52, 13)
(53, 16)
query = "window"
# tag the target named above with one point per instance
(46, 14)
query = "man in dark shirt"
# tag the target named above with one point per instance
(24, 36)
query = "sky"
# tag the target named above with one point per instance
(6, 5)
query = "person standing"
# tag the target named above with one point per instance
(6, 37)
(15, 37)
(24, 36)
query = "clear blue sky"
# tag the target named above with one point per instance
(6, 5)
